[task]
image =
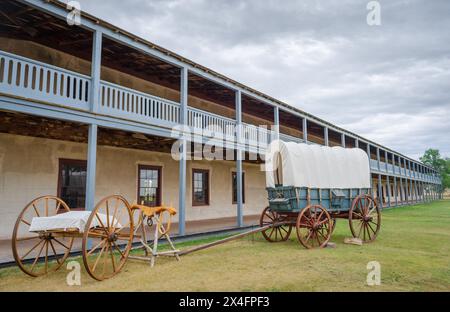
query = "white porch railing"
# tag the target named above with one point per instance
(127, 103)
(211, 125)
(42, 82)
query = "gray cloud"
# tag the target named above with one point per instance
(388, 83)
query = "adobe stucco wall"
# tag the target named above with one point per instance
(29, 168)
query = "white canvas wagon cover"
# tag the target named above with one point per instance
(315, 166)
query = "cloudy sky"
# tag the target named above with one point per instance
(389, 83)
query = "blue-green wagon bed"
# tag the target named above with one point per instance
(310, 186)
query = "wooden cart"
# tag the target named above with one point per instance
(313, 210)
(107, 237)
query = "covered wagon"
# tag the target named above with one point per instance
(310, 186)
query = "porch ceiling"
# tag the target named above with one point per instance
(34, 126)
(20, 21)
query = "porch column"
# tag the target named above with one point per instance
(378, 159)
(395, 179)
(305, 130)
(414, 166)
(276, 123)
(183, 153)
(402, 191)
(408, 191)
(325, 136)
(356, 143)
(96, 71)
(380, 191)
(239, 152)
(343, 140)
(91, 167)
(388, 190)
(395, 191)
(370, 168)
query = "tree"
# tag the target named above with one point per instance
(446, 174)
(433, 158)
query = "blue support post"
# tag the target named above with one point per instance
(276, 123)
(371, 181)
(388, 185)
(402, 191)
(96, 71)
(305, 130)
(380, 192)
(91, 167)
(239, 152)
(183, 154)
(395, 180)
(378, 159)
(325, 136)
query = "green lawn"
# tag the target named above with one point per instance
(413, 249)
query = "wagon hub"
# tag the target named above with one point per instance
(45, 235)
(368, 218)
(112, 237)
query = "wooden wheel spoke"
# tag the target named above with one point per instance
(271, 231)
(369, 226)
(46, 256)
(116, 206)
(46, 207)
(118, 249)
(36, 210)
(57, 241)
(54, 251)
(101, 224)
(27, 238)
(325, 221)
(38, 256)
(31, 250)
(96, 247)
(105, 259)
(98, 257)
(309, 236)
(320, 216)
(360, 228)
(26, 222)
(321, 234)
(124, 227)
(281, 234)
(107, 214)
(374, 223)
(112, 257)
(368, 231)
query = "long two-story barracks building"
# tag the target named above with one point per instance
(88, 110)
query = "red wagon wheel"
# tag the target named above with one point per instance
(314, 227)
(274, 234)
(28, 247)
(108, 237)
(365, 218)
